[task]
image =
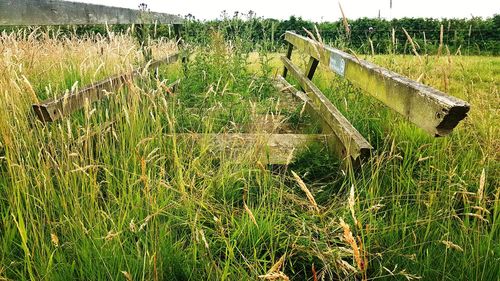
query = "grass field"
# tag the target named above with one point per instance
(112, 193)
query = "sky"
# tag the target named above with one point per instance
(317, 10)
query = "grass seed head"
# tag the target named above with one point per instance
(349, 238)
(304, 188)
(54, 239)
(127, 276)
(451, 245)
(277, 266)
(250, 214)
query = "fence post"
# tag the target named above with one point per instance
(180, 44)
(288, 56)
(311, 67)
(143, 38)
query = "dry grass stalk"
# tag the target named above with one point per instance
(371, 46)
(477, 216)
(349, 238)
(354, 54)
(406, 275)
(127, 276)
(204, 239)
(310, 34)
(111, 235)
(393, 40)
(2, 272)
(425, 42)
(132, 226)
(414, 49)
(446, 80)
(144, 177)
(375, 208)
(320, 39)
(451, 245)
(351, 202)
(441, 33)
(303, 109)
(289, 158)
(315, 275)
(250, 214)
(277, 266)
(304, 188)
(275, 276)
(316, 50)
(54, 239)
(419, 79)
(480, 190)
(448, 55)
(345, 22)
(479, 208)
(261, 166)
(31, 91)
(346, 267)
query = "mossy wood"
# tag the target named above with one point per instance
(54, 109)
(430, 109)
(347, 142)
(53, 12)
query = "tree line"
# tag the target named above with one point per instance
(475, 36)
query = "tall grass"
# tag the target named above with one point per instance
(116, 193)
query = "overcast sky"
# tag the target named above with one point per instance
(318, 10)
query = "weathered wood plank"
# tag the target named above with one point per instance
(284, 86)
(54, 109)
(308, 108)
(54, 12)
(428, 108)
(180, 44)
(278, 149)
(334, 143)
(352, 144)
